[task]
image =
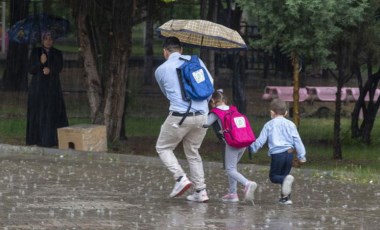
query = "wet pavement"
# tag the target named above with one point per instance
(53, 189)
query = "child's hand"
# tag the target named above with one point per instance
(303, 160)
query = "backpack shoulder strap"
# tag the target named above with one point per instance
(224, 117)
(222, 113)
(218, 112)
(233, 108)
(194, 58)
(183, 58)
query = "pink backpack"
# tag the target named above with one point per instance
(236, 129)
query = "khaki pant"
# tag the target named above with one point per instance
(191, 134)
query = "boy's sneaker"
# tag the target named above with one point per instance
(181, 186)
(285, 200)
(249, 191)
(231, 197)
(286, 188)
(200, 196)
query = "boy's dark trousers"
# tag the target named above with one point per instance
(280, 166)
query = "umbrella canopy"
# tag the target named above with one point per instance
(202, 33)
(29, 29)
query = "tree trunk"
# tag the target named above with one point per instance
(15, 76)
(337, 136)
(123, 131)
(343, 63)
(203, 7)
(372, 108)
(120, 41)
(369, 110)
(238, 82)
(368, 125)
(359, 104)
(93, 79)
(296, 87)
(148, 58)
(238, 73)
(208, 55)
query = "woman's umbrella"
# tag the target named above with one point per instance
(202, 33)
(29, 29)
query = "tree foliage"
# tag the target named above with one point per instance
(366, 59)
(104, 34)
(106, 84)
(16, 70)
(308, 27)
(317, 30)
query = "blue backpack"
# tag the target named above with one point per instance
(194, 80)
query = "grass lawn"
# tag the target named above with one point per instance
(360, 162)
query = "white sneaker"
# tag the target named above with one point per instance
(285, 200)
(249, 191)
(181, 186)
(286, 188)
(198, 196)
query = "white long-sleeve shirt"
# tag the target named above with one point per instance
(281, 135)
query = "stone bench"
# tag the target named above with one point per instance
(83, 137)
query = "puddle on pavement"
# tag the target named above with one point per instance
(94, 191)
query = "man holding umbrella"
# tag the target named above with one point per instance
(190, 132)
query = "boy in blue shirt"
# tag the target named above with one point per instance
(282, 137)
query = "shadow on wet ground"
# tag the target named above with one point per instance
(53, 189)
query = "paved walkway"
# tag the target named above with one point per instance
(52, 189)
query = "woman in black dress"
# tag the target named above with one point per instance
(46, 107)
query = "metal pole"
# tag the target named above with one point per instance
(296, 96)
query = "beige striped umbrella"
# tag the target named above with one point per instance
(202, 33)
